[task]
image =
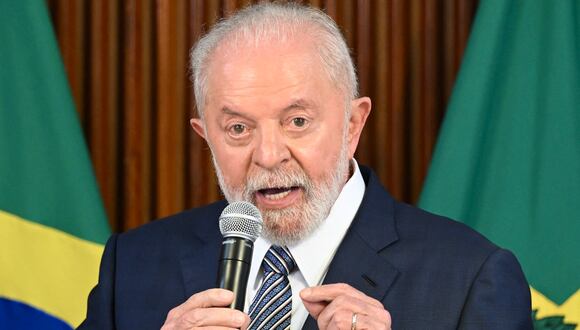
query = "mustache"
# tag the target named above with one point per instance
(277, 178)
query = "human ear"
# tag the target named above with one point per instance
(359, 112)
(198, 127)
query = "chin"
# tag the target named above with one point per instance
(291, 225)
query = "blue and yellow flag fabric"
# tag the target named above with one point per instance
(507, 160)
(52, 222)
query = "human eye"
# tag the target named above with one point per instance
(237, 130)
(299, 123)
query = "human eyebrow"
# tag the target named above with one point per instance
(228, 111)
(298, 104)
(232, 113)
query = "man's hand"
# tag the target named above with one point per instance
(207, 310)
(334, 305)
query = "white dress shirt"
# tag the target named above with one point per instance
(313, 254)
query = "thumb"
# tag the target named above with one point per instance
(313, 307)
(246, 323)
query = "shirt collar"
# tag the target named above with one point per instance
(314, 254)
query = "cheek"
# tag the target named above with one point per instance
(233, 162)
(317, 156)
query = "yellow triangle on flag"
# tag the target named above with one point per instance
(570, 309)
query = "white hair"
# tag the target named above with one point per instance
(277, 21)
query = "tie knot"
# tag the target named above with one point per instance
(279, 260)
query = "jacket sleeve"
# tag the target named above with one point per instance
(499, 297)
(101, 309)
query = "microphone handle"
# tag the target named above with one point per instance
(234, 268)
(234, 271)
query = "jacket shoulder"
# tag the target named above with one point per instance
(443, 236)
(433, 229)
(200, 223)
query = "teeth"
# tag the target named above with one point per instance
(275, 197)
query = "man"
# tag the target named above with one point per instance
(277, 96)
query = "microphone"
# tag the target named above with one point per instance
(240, 224)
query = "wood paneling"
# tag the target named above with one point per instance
(172, 115)
(104, 90)
(127, 65)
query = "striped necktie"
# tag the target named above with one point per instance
(272, 305)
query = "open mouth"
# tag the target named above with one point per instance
(276, 193)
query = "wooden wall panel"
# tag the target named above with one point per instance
(202, 186)
(138, 100)
(127, 65)
(104, 91)
(171, 116)
(70, 26)
(362, 57)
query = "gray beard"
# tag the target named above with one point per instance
(290, 225)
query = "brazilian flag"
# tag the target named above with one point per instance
(507, 160)
(52, 222)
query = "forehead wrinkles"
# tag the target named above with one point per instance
(263, 69)
(247, 66)
(249, 85)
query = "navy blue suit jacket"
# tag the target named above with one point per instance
(428, 271)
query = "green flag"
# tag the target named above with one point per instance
(507, 160)
(52, 222)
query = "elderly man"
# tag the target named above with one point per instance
(277, 97)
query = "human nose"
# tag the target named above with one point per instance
(271, 150)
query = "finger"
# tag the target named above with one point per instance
(341, 320)
(377, 322)
(204, 317)
(246, 323)
(173, 327)
(316, 299)
(207, 298)
(340, 310)
(329, 292)
(363, 322)
(314, 308)
(211, 298)
(343, 307)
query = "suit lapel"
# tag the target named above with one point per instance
(199, 267)
(357, 261)
(199, 259)
(362, 268)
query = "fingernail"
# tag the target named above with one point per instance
(226, 294)
(306, 292)
(238, 318)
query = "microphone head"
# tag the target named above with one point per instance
(241, 219)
